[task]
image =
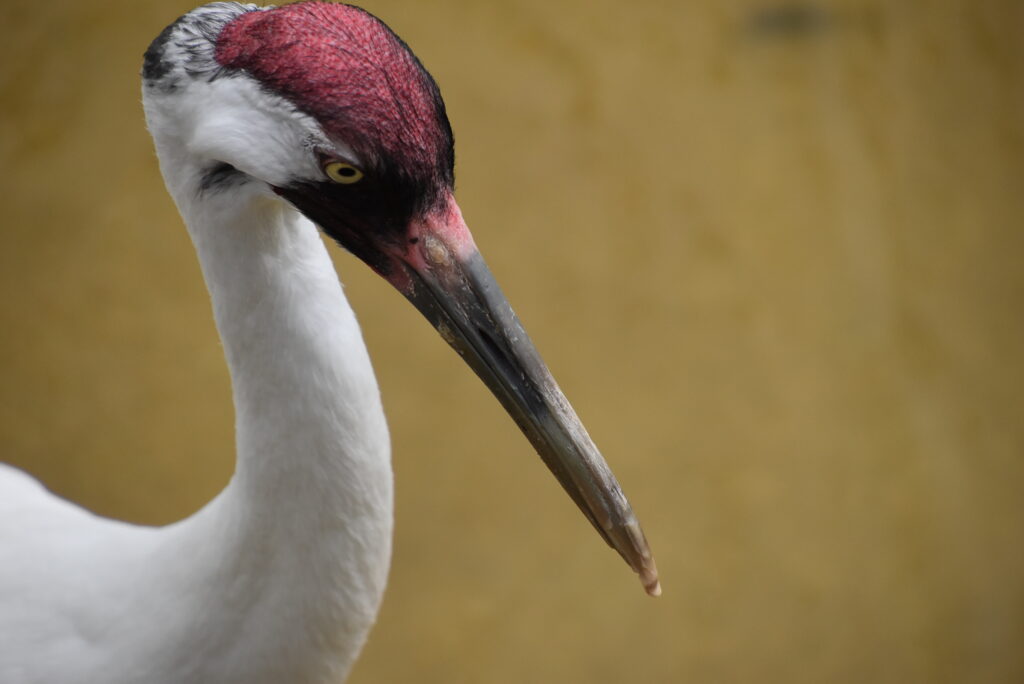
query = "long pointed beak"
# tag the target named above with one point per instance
(444, 276)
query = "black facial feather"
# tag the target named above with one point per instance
(219, 176)
(363, 216)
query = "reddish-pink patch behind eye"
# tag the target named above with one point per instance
(346, 69)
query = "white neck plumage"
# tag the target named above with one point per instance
(306, 521)
(288, 564)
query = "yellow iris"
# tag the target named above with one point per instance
(343, 173)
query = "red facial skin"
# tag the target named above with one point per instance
(348, 70)
(434, 240)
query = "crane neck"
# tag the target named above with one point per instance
(306, 399)
(306, 521)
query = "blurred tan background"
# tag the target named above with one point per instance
(773, 251)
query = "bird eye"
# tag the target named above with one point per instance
(343, 173)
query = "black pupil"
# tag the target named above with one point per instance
(346, 171)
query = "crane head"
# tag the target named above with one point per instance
(323, 106)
